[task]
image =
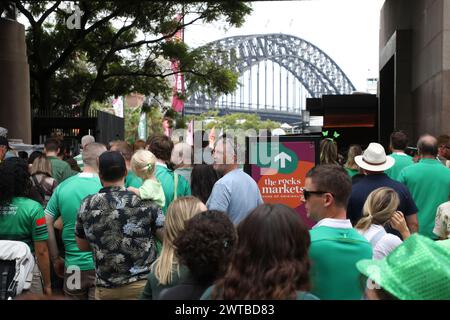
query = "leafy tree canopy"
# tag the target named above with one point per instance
(234, 121)
(119, 47)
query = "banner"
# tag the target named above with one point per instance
(142, 128)
(279, 169)
(118, 106)
(178, 87)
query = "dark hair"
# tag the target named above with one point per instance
(271, 257)
(427, 146)
(399, 140)
(138, 144)
(73, 164)
(34, 155)
(52, 145)
(23, 155)
(15, 180)
(333, 179)
(202, 133)
(203, 178)
(205, 245)
(161, 146)
(443, 139)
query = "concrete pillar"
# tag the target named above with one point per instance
(422, 63)
(15, 111)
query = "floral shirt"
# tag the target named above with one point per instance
(120, 228)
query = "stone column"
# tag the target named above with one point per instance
(15, 110)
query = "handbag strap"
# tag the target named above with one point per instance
(175, 186)
(38, 186)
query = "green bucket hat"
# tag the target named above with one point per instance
(419, 269)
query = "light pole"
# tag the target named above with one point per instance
(305, 119)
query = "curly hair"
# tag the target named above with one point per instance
(271, 258)
(205, 245)
(15, 180)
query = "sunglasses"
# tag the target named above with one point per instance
(307, 194)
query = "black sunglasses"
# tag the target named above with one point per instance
(307, 194)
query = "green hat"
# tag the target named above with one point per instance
(419, 269)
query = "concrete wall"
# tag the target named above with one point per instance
(15, 111)
(422, 96)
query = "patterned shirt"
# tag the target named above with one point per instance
(442, 223)
(120, 228)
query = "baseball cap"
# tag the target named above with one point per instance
(4, 142)
(111, 166)
(418, 269)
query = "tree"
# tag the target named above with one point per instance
(235, 121)
(117, 48)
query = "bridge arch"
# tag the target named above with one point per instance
(312, 67)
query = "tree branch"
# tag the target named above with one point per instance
(167, 36)
(48, 12)
(154, 75)
(82, 33)
(26, 13)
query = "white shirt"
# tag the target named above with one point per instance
(384, 245)
(334, 223)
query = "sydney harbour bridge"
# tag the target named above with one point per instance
(277, 72)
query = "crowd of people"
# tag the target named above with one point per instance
(144, 222)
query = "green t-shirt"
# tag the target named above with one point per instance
(65, 202)
(429, 184)
(132, 180)
(401, 161)
(300, 295)
(23, 220)
(153, 287)
(334, 253)
(351, 172)
(166, 178)
(60, 169)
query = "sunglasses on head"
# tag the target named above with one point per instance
(307, 194)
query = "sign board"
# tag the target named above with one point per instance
(279, 166)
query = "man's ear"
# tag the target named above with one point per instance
(328, 200)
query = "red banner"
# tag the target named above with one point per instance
(178, 87)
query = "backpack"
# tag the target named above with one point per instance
(16, 268)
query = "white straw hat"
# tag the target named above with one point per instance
(374, 158)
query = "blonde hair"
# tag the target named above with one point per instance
(353, 151)
(328, 152)
(378, 208)
(143, 164)
(179, 211)
(41, 165)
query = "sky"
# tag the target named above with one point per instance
(346, 30)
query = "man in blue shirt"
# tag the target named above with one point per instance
(236, 193)
(374, 162)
